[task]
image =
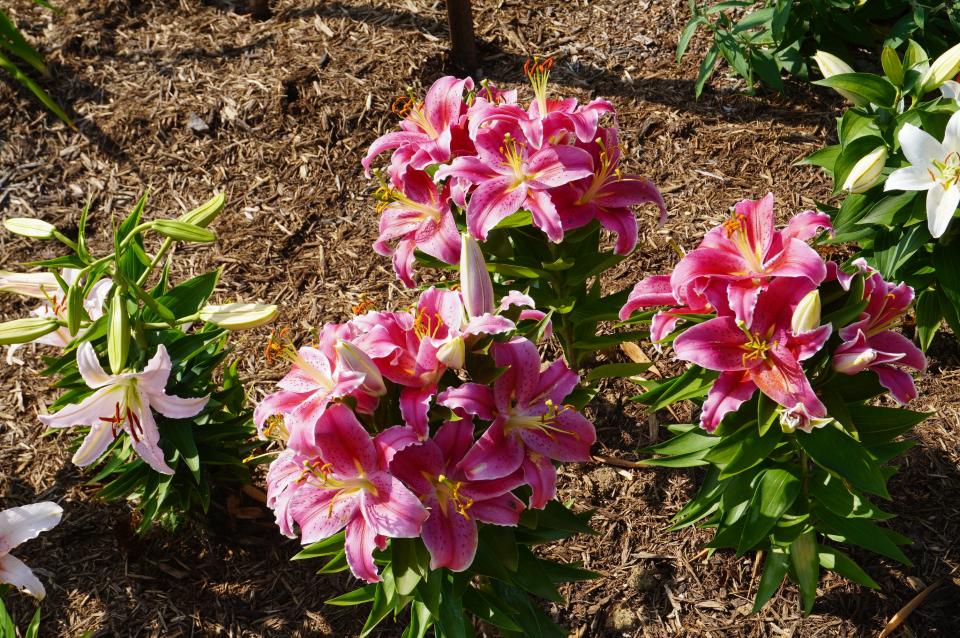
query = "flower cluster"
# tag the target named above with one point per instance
(760, 289)
(476, 157)
(393, 428)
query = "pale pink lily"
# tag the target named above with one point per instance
(18, 525)
(426, 131)
(869, 344)
(416, 217)
(530, 425)
(764, 353)
(935, 168)
(607, 196)
(348, 486)
(455, 502)
(509, 176)
(747, 251)
(124, 403)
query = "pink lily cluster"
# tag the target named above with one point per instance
(481, 152)
(386, 439)
(762, 287)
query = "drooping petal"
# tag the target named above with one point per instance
(898, 382)
(450, 537)
(91, 411)
(809, 343)
(344, 443)
(177, 407)
(488, 324)
(361, 539)
(310, 371)
(493, 456)
(20, 524)
(493, 201)
(392, 509)
(716, 344)
(155, 374)
(414, 406)
(941, 207)
(622, 223)
(806, 225)
(652, 291)
(14, 572)
(499, 510)
(96, 442)
(541, 475)
(545, 216)
(919, 147)
(729, 392)
(797, 260)
(896, 343)
(146, 441)
(390, 141)
(90, 369)
(283, 480)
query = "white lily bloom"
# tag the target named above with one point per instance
(951, 90)
(124, 402)
(17, 525)
(935, 168)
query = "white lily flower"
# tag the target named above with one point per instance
(17, 525)
(951, 90)
(124, 402)
(935, 168)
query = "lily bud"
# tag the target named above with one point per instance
(118, 332)
(476, 286)
(943, 68)
(806, 316)
(26, 330)
(351, 357)
(40, 285)
(853, 360)
(831, 65)
(182, 231)
(205, 213)
(867, 172)
(29, 227)
(797, 418)
(239, 316)
(453, 353)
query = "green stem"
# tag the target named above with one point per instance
(164, 247)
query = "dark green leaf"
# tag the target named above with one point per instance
(874, 88)
(877, 424)
(806, 568)
(776, 491)
(834, 450)
(775, 567)
(835, 560)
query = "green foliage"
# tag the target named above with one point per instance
(15, 51)
(889, 228)
(498, 588)
(8, 628)
(761, 42)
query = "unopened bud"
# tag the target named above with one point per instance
(476, 287)
(40, 285)
(943, 68)
(453, 353)
(239, 316)
(831, 65)
(29, 227)
(351, 357)
(867, 172)
(205, 213)
(118, 332)
(806, 316)
(26, 330)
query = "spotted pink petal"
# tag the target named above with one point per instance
(450, 537)
(716, 344)
(652, 291)
(494, 455)
(728, 393)
(469, 398)
(390, 508)
(500, 510)
(361, 540)
(541, 475)
(344, 443)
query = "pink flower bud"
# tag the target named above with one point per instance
(475, 284)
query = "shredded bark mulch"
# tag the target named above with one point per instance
(186, 98)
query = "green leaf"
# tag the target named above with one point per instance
(767, 413)
(693, 440)
(187, 298)
(407, 568)
(687, 34)
(887, 210)
(617, 370)
(781, 15)
(733, 54)
(359, 596)
(874, 88)
(384, 599)
(836, 451)
(7, 628)
(825, 158)
(33, 629)
(835, 560)
(831, 492)
(776, 491)
(775, 567)
(327, 547)
(877, 424)
(707, 67)
(892, 67)
(754, 450)
(694, 382)
(860, 532)
(180, 433)
(42, 96)
(451, 619)
(806, 568)
(929, 316)
(892, 249)
(485, 607)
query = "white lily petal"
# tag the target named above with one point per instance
(101, 403)
(94, 444)
(20, 524)
(157, 371)
(951, 138)
(15, 572)
(147, 440)
(920, 147)
(941, 206)
(97, 296)
(910, 178)
(90, 369)
(950, 90)
(177, 407)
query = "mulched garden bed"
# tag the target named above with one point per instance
(187, 97)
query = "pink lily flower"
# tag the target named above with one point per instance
(607, 195)
(510, 177)
(124, 402)
(419, 217)
(764, 353)
(870, 345)
(530, 425)
(455, 502)
(426, 133)
(657, 290)
(314, 382)
(349, 487)
(747, 251)
(18, 525)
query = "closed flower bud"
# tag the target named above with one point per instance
(453, 353)
(943, 68)
(475, 284)
(854, 360)
(182, 231)
(118, 332)
(831, 65)
(26, 330)
(29, 227)
(806, 316)
(351, 357)
(867, 172)
(205, 213)
(239, 316)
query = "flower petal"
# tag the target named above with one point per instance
(715, 345)
(344, 443)
(391, 508)
(322, 512)
(941, 207)
(16, 573)
(469, 398)
(147, 441)
(493, 456)
(90, 369)
(20, 524)
(729, 391)
(361, 539)
(541, 475)
(450, 537)
(493, 201)
(920, 147)
(909, 178)
(96, 442)
(91, 411)
(177, 407)
(500, 510)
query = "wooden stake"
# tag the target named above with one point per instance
(463, 44)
